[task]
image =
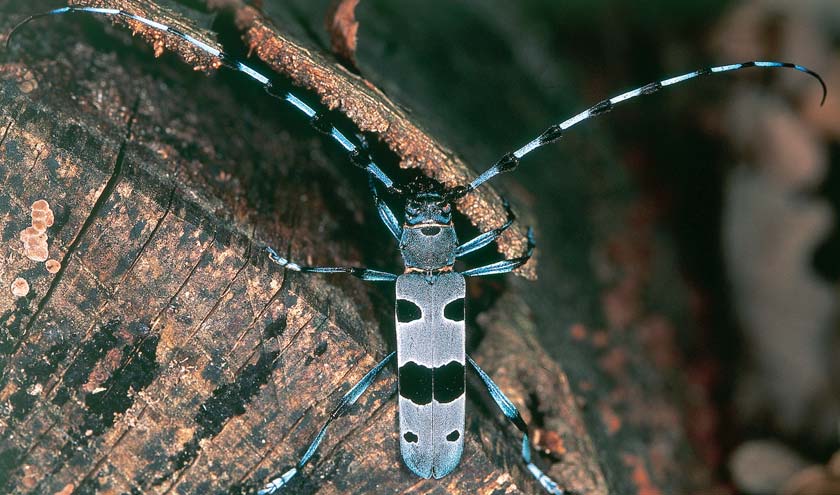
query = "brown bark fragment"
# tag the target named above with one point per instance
(373, 112)
(162, 282)
(165, 354)
(357, 98)
(342, 26)
(161, 41)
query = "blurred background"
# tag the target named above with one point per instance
(688, 242)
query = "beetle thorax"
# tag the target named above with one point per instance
(428, 240)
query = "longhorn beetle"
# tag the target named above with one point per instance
(430, 294)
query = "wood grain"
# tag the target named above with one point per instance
(166, 355)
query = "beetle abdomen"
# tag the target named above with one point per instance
(431, 356)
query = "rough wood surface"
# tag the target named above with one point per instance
(167, 356)
(338, 89)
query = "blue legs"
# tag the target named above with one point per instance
(346, 402)
(487, 237)
(511, 160)
(362, 273)
(504, 266)
(512, 414)
(350, 398)
(357, 151)
(390, 222)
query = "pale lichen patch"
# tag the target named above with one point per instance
(34, 237)
(20, 287)
(42, 215)
(34, 244)
(53, 266)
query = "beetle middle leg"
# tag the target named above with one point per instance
(360, 272)
(487, 237)
(504, 266)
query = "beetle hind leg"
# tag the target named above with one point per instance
(512, 414)
(346, 402)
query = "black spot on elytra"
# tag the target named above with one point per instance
(227, 401)
(419, 384)
(453, 436)
(410, 437)
(449, 382)
(430, 231)
(407, 311)
(415, 383)
(454, 311)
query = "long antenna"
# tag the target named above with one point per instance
(358, 155)
(511, 160)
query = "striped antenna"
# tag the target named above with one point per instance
(358, 155)
(511, 160)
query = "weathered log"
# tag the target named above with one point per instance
(167, 354)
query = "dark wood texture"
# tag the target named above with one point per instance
(168, 356)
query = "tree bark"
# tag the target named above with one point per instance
(167, 354)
